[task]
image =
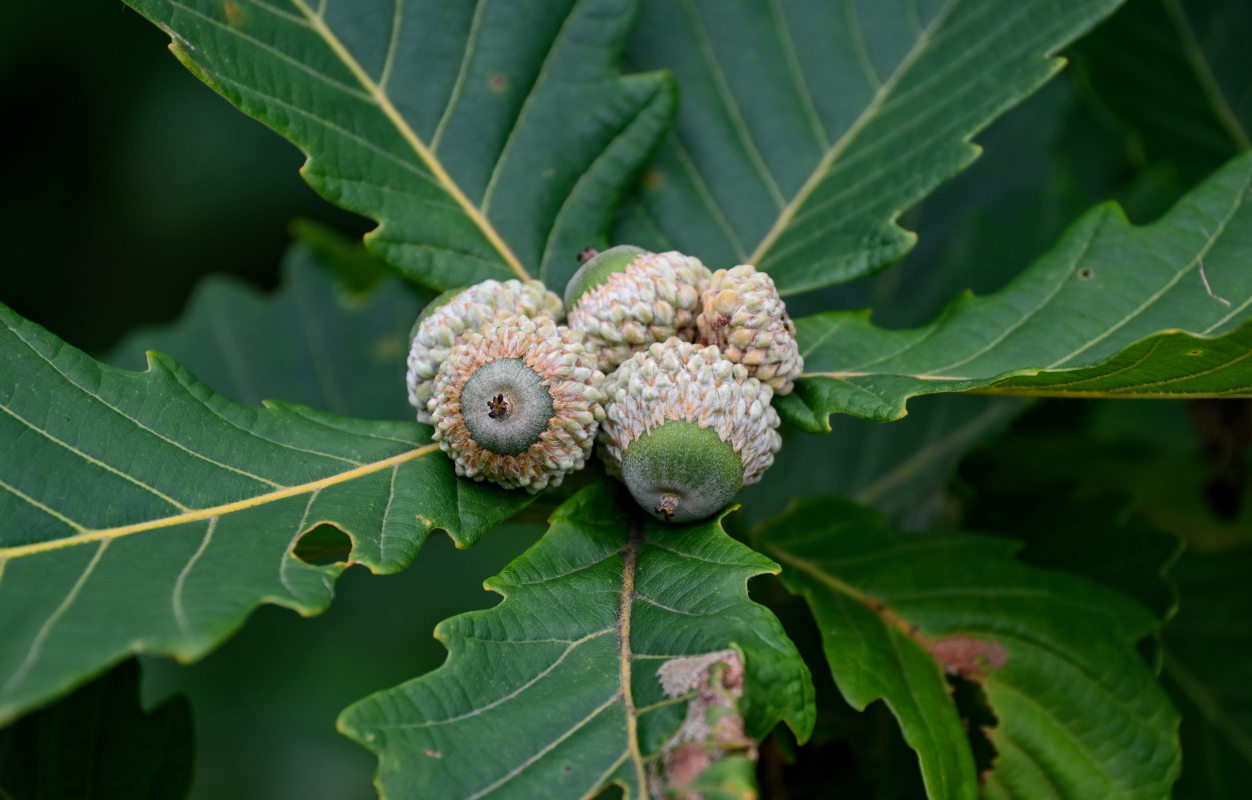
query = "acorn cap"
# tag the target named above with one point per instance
(456, 311)
(744, 316)
(686, 429)
(625, 304)
(597, 269)
(518, 403)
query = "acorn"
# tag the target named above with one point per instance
(518, 403)
(626, 298)
(685, 429)
(451, 314)
(746, 319)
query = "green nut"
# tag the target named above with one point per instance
(681, 472)
(685, 429)
(598, 269)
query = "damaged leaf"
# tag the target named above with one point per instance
(1078, 713)
(614, 630)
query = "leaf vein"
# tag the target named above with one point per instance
(194, 515)
(176, 597)
(46, 509)
(1209, 241)
(524, 108)
(274, 51)
(732, 107)
(458, 86)
(45, 630)
(516, 692)
(406, 132)
(513, 773)
(95, 461)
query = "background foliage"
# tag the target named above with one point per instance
(1086, 137)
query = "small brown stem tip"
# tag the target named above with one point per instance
(498, 407)
(669, 504)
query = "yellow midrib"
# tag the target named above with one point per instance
(845, 141)
(406, 131)
(195, 515)
(625, 657)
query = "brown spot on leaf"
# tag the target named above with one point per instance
(389, 348)
(967, 656)
(653, 179)
(713, 729)
(235, 15)
(686, 763)
(497, 83)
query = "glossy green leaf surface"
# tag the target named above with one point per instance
(1161, 310)
(489, 140)
(1078, 713)
(806, 128)
(142, 512)
(555, 692)
(99, 742)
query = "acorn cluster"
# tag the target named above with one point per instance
(669, 366)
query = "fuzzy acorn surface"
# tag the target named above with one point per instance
(626, 299)
(685, 429)
(518, 402)
(743, 315)
(457, 311)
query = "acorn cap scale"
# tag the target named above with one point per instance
(678, 419)
(450, 315)
(518, 403)
(744, 317)
(626, 303)
(598, 269)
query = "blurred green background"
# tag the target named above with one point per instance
(128, 181)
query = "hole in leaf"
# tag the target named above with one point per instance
(324, 544)
(976, 714)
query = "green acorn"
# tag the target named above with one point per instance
(451, 314)
(518, 403)
(746, 319)
(685, 429)
(626, 298)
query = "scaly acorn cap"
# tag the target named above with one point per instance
(625, 299)
(518, 403)
(685, 429)
(744, 317)
(456, 311)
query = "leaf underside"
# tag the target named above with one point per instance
(555, 691)
(806, 128)
(1112, 311)
(143, 513)
(895, 611)
(489, 140)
